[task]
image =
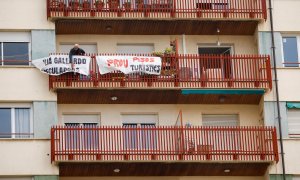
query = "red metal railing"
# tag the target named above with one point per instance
(163, 143)
(181, 71)
(211, 9)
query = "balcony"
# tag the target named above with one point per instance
(188, 147)
(157, 17)
(158, 9)
(180, 72)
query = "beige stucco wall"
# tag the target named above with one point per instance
(285, 16)
(286, 13)
(288, 85)
(111, 114)
(24, 84)
(20, 14)
(108, 43)
(168, 178)
(292, 156)
(26, 157)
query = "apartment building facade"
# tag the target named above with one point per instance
(210, 114)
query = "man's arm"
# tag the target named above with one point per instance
(82, 52)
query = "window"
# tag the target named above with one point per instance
(293, 116)
(232, 137)
(216, 5)
(82, 139)
(88, 48)
(215, 67)
(142, 137)
(290, 51)
(14, 53)
(135, 48)
(15, 123)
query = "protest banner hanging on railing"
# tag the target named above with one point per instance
(129, 64)
(59, 64)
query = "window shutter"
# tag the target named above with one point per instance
(220, 120)
(135, 48)
(139, 118)
(294, 121)
(81, 118)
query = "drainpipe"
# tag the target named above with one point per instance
(276, 90)
(183, 44)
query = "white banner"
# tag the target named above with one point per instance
(129, 64)
(58, 64)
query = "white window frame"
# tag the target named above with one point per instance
(13, 120)
(298, 47)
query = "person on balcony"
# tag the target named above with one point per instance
(75, 51)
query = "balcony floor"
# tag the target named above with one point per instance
(163, 169)
(154, 27)
(144, 96)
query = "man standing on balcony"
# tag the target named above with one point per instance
(75, 51)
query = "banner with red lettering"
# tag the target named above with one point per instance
(129, 64)
(58, 64)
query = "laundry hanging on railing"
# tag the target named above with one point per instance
(59, 64)
(129, 64)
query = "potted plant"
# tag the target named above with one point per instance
(86, 5)
(99, 4)
(168, 62)
(74, 4)
(113, 4)
(127, 6)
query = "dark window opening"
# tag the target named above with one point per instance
(215, 58)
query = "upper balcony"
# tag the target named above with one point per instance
(161, 17)
(158, 9)
(195, 150)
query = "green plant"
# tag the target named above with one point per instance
(158, 53)
(169, 51)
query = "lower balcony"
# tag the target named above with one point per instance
(147, 150)
(179, 72)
